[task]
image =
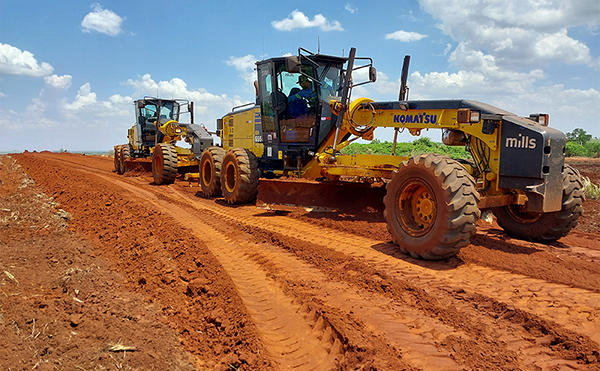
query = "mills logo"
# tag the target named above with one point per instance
(520, 142)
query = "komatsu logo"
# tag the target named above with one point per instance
(419, 118)
(520, 142)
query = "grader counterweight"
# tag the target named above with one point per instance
(304, 116)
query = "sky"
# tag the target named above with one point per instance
(71, 69)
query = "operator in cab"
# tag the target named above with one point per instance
(299, 98)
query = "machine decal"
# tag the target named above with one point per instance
(420, 118)
(520, 142)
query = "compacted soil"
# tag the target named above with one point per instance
(100, 271)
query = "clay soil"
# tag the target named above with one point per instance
(100, 271)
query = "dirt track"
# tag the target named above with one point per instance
(90, 260)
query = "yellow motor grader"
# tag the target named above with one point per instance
(155, 135)
(285, 148)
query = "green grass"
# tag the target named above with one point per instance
(590, 189)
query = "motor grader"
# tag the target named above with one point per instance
(155, 135)
(287, 151)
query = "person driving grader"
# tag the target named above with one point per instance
(299, 99)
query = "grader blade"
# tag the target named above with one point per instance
(138, 164)
(341, 197)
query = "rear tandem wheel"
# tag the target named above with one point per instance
(431, 207)
(164, 163)
(210, 171)
(545, 227)
(239, 176)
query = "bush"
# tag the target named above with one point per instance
(419, 146)
(575, 149)
(593, 148)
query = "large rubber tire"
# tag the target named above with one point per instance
(125, 154)
(164, 163)
(210, 171)
(545, 227)
(239, 176)
(117, 158)
(431, 207)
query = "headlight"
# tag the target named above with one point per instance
(468, 116)
(540, 118)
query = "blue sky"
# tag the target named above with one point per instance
(70, 70)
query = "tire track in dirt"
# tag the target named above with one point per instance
(530, 351)
(288, 337)
(572, 309)
(569, 307)
(411, 332)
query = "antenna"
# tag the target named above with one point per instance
(318, 45)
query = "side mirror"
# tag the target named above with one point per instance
(141, 104)
(292, 64)
(372, 74)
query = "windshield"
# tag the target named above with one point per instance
(168, 111)
(331, 82)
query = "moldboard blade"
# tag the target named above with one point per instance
(343, 197)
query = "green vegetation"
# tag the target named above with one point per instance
(419, 146)
(582, 144)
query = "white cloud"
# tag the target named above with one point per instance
(518, 32)
(448, 48)
(207, 106)
(102, 20)
(14, 61)
(405, 36)
(297, 19)
(351, 8)
(86, 102)
(560, 46)
(245, 66)
(59, 82)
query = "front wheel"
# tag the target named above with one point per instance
(239, 176)
(164, 163)
(210, 171)
(117, 159)
(545, 227)
(431, 207)
(125, 154)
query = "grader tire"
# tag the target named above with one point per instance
(117, 159)
(210, 171)
(431, 207)
(125, 154)
(239, 176)
(545, 227)
(164, 163)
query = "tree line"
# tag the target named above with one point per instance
(579, 144)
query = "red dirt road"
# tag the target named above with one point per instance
(106, 272)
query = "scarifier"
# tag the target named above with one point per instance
(289, 142)
(154, 138)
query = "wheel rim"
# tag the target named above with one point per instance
(416, 207)
(231, 177)
(523, 217)
(206, 173)
(158, 164)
